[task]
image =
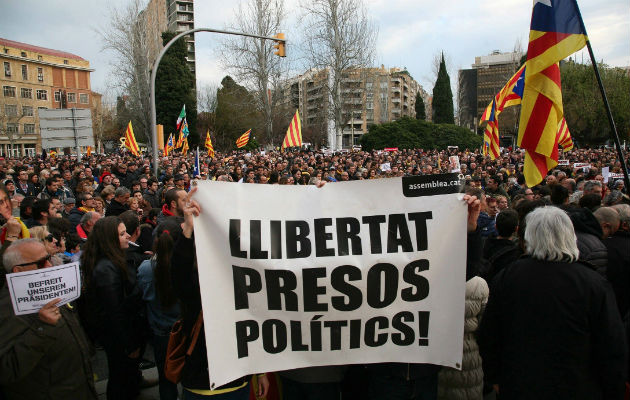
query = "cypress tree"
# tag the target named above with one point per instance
(174, 87)
(443, 97)
(420, 112)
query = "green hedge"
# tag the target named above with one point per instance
(408, 133)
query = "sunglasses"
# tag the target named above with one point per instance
(41, 263)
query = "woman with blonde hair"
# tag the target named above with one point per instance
(53, 245)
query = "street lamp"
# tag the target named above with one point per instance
(279, 39)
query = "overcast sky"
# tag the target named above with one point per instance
(410, 32)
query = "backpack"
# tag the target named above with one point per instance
(177, 350)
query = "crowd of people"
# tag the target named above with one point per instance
(547, 291)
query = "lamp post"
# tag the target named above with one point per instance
(280, 43)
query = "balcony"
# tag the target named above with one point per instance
(395, 89)
(396, 100)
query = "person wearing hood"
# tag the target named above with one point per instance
(589, 238)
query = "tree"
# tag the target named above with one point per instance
(339, 38)
(420, 111)
(583, 105)
(175, 87)
(252, 60)
(443, 97)
(235, 114)
(408, 133)
(207, 107)
(126, 36)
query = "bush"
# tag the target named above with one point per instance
(408, 133)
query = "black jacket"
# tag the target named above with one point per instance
(186, 287)
(589, 233)
(116, 303)
(115, 208)
(30, 191)
(498, 254)
(618, 271)
(75, 216)
(551, 330)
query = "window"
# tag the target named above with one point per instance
(42, 95)
(26, 93)
(29, 149)
(40, 58)
(72, 97)
(10, 110)
(12, 128)
(29, 128)
(7, 68)
(40, 74)
(8, 91)
(24, 72)
(58, 96)
(65, 62)
(23, 54)
(83, 98)
(27, 111)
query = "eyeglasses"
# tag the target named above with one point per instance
(49, 238)
(41, 263)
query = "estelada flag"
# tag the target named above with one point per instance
(180, 118)
(169, 145)
(180, 140)
(208, 145)
(491, 134)
(243, 139)
(556, 31)
(185, 146)
(130, 141)
(294, 132)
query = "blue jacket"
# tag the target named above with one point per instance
(160, 320)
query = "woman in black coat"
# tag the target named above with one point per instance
(114, 305)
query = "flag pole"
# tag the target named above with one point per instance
(611, 121)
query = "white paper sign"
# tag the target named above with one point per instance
(454, 164)
(581, 165)
(292, 277)
(31, 290)
(563, 162)
(605, 173)
(385, 167)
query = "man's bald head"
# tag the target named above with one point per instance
(22, 252)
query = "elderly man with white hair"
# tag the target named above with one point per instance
(44, 355)
(551, 329)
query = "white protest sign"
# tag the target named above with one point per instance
(454, 164)
(581, 165)
(31, 290)
(563, 162)
(292, 277)
(605, 173)
(385, 167)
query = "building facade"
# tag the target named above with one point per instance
(35, 78)
(478, 86)
(170, 15)
(369, 96)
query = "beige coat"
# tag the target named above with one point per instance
(467, 383)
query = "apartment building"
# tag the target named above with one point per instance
(35, 78)
(478, 85)
(369, 96)
(169, 15)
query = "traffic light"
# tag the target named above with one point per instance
(279, 46)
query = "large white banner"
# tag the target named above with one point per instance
(354, 272)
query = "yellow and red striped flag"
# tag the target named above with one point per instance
(168, 147)
(208, 145)
(89, 151)
(185, 146)
(294, 132)
(180, 140)
(556, 31)
(130, 141)
(564, 136)
(243, 139)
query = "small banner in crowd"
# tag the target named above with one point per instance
(31, 290)
(359, 272)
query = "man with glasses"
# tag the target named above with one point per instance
(23, 186)
(42, 355)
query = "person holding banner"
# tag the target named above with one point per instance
(44, 355)
(195, 379)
